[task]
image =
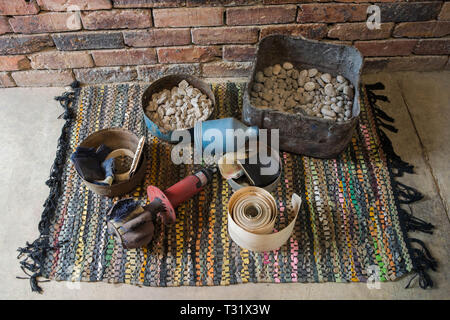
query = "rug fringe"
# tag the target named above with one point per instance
(421, 258)
(33, 254)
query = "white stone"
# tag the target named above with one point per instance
(326, 77)
(312, 72)
(276, 69)
(310, 86)
(179, 102)
(183, 84)
(190, 91)
(287, 66)
(162, 98)
(328, 112)
(329, 90)
(152, 106)
(161, 113)
(336, 108)
(348, 91)
(303, 74)
(259, 77)
(170, 111)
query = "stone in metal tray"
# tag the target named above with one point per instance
(302, 134)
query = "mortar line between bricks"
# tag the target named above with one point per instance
(424, 151)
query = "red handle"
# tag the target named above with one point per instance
(183, 190)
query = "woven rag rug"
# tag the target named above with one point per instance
(350, 227)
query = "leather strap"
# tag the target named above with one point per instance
(137, 156)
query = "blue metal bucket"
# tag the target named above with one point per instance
(154, 130)
(168, 82)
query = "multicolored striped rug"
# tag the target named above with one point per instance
(350, 228)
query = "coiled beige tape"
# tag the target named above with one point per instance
(252, 213)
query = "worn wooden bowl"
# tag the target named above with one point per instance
(302, 134)
(116, 138)
(168, 82)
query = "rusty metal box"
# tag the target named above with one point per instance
(302, 134)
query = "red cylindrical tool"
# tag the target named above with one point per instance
(179, 192)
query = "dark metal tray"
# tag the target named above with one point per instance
(303, 134)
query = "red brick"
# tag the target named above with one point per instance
(261, 15)
(225, 35)
(407, 11)
(188, 54)
(331, 13)
(88, 40)
(18, 7)
(187, 17)
(157, 37)
(124, 57)
(117, 19)
(63, 5)
(43, 78)
(292, 1)
(308, 30)
(384, 48)
(422, 29)
(239, 53)
(46, 22)
(13, 63)
(445, 12)
(61, 60)
(6, 81)
(24, 44)
(153, 72)
(359, 31)
(218, 3)
(433, 46)
(347, 43)
(226, 69)
(359, 1)
(408, 63)
(147, 3)
(106, 74)
(4, 25)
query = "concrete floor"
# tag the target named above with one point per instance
(29, 130)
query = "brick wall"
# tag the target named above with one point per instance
(47, 43)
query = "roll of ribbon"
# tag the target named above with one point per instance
(252, 213)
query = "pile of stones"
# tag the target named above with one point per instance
(308, 92)
(179, 108)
